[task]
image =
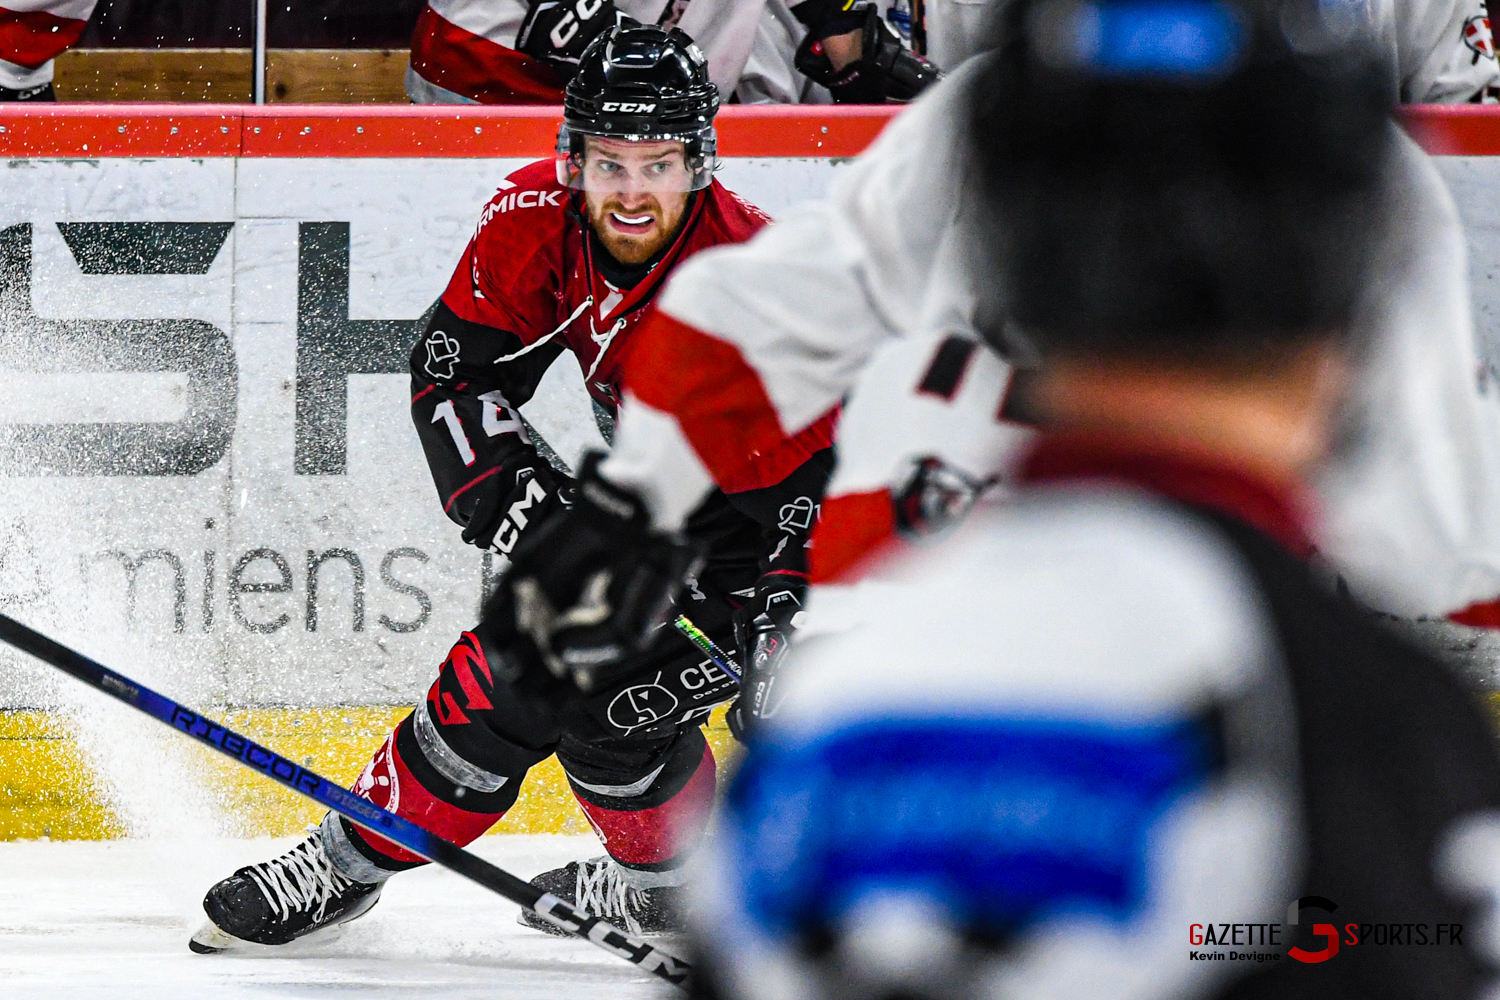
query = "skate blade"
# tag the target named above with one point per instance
(528, 919)
(209, 940)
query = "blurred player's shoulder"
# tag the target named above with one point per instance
(1087, 594)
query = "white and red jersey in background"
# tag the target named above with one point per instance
(463, 51)
(1442, 50)
(32, 32)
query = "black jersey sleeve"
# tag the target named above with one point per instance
(787, 513)
(468, 380)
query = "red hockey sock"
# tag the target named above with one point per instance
(659, 833)
(388, 783)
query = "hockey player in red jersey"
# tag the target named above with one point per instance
(565, 257)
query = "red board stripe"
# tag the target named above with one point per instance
(95, 130)
(98, 130)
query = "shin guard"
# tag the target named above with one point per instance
(402, 780)
(650, 831)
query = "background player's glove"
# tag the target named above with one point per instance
(505, 513)
(557, 31)
(885, 69)
(934, 497)
(763, 630)
(586, 589)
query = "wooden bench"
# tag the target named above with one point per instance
(293, 76)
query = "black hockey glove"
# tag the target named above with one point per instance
(503, 516)
(586, 589)
(763, 630)
(885, 70)
(557, 31)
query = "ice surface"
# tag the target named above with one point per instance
(112, 919)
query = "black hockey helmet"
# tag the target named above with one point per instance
(640, 83)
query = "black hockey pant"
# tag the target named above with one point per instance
(634, 753)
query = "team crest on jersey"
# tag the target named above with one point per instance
(1479, 38)
(641, 705)
(442, 354)
(798, 515)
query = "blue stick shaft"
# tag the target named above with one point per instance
(368, 815)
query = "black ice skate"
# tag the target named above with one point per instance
(597, 887)
(280, 900)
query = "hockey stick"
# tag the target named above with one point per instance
(723, 660)
(558, 912)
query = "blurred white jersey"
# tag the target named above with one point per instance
(34, 32)
(1442, 50)
(850, 297)
(1134, 678)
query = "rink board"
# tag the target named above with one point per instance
(208, 477)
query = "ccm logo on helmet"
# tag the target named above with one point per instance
(627, 107)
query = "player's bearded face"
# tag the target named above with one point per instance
(636, 193)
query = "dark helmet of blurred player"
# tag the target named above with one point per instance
(1153, 177)
(638, 135)
(1181, 174)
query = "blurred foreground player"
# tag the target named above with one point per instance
(1120, 708)
(817, 309)
(565, 257)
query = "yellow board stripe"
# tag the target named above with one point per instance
(47, 788)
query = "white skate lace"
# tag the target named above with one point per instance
(602, 892)
(300, 879)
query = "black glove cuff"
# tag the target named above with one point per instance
(885, 69)
(831, 17)
(597, 496)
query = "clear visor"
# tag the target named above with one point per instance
(630, 165)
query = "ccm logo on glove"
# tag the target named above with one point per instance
(515, 518)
